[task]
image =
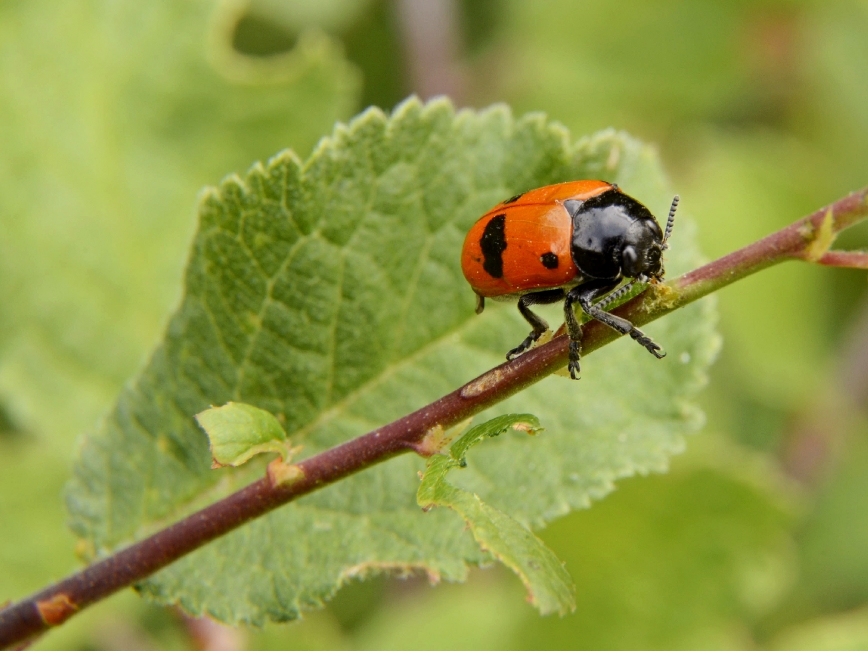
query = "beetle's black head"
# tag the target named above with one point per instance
(614, 235)
(642, 251)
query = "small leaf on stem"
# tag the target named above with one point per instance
(237, 432)
(548, 584)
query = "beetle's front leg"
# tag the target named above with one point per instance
(585, 294)
(574, 328)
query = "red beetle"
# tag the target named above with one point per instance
(571, 242)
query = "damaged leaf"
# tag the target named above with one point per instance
(549, 586)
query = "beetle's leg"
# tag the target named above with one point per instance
(574, 328)
(536, 322)
(585, 294)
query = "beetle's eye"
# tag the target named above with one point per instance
(653, 256)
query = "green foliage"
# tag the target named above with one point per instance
(683, 561)
(833, 538)
(238, 432)
(548, 584)
(774, 179)
(113, 114)
(113, 117)
(844, 632)
(716, 545)
(329, 294)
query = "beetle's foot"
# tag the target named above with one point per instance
(646, 341)
(523, 346)
(575, 353)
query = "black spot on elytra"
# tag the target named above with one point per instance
(549, 260)
(493, 244)
(513, 199)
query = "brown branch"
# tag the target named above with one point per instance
(849, 259)
(807, 239)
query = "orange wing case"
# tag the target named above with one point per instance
(535, 232)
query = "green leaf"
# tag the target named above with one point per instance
(549, 586)
(690, 560)
(695, 559)
(329, 293)
(113, 114)
(112, 117)
(238, 432)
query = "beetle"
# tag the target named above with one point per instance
(571, 242)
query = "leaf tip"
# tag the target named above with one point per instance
(530, 428)
(286, 158)
(438, 105)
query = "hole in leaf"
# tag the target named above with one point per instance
(260, 37)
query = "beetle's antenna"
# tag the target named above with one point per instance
(671, 221)
(618, 293)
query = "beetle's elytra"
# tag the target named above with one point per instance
(571, 242)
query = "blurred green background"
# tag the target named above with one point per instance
(114, 114)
